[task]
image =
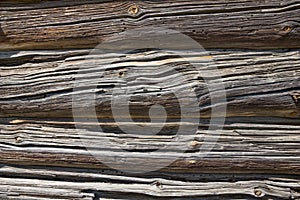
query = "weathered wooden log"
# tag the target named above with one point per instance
(244, 148)
(69, 24)
(19, 182)
(40, 84)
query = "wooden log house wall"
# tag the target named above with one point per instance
(254, 45)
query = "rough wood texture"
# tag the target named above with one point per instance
(261, 133)
(260, 149)
(221, 24)
(38, 183)
(42, 153)
(263, 83)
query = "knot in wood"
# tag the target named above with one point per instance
(195, 144)
(133, 9)
(287, 29)
(121, 74)
(158, 184)
(18, 139)
(258, 192)
(192, 162)
(296, 97)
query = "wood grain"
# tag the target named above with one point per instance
(30, 182)
(38, 127)
(240, 149)
(258, 83)
(46, 48)
(221, 24)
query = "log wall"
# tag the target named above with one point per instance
(255, 47)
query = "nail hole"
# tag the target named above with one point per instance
(158, 184)
(121, 73)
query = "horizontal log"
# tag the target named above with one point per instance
(19, 188)
(241, 148)
(22, 183)
(257, 83)
(69, 24)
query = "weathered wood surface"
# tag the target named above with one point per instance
(40, 146)
(257, 154)
(221, 24)
(99, 186)
(42, 183)
(260, 149)
(263, 83)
